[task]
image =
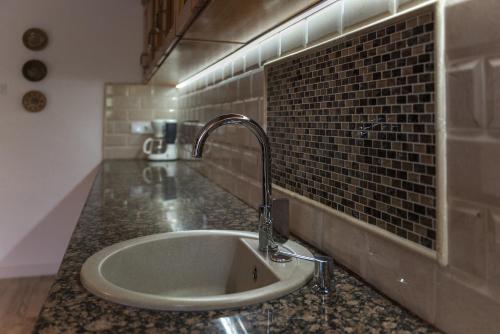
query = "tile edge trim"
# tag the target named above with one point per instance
(373, 229)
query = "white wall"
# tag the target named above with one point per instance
(47, 159)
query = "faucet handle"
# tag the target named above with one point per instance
(280, 216)
(323, 269)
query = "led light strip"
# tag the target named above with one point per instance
(250, 47)
(280, 29)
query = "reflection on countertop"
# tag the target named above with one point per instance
(134, 198)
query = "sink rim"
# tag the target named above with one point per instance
(94, 281)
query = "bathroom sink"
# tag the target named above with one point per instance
(193, 271)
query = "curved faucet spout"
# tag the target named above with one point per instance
(265, 229)
(257, 130)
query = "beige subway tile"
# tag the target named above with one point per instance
(108, 128)
(126, 102)
(165, 113)
(252, 109)
(122, 90)
(473, 172)
(403, 4)
(250, 140)
(120, 127)
(356, 12)
(252, 59)
(493, 92)
(136, 139)
(324, 24)
(169, 91)
(115, 140)
(107, 153)
(123, 153)
(215, 95)
(402, 274)
(462, 308)
(240, 189)
(258, 84)
(140, 90)
(225, 180)
(238, 107)
(250, 164)
(254, 194)
(463, 40)
(117, 90)
(228, 71)
(218, 75)
(116, 114)
(465, 95)
(306, 222)
(235, 159)
(108, 90)
(245, 87)
(156, 102)
(269, 48)
(493, 236)
(293, 38)
(230, 91)
(140, 115)
(345, 242)
(467, 238)
(238, 65)
(262, 113)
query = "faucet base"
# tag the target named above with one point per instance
(280, 257)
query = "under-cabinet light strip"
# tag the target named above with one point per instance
(361, 28)
(278, 31)
(249, 47)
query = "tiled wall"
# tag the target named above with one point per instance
(462, 297)
(127, 103)
(473, 129)
(351, 126)
(231, 155)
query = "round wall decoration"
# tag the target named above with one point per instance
(34, 101)
(34, 70)
(35, 39)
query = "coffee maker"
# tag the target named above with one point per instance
(162, 146)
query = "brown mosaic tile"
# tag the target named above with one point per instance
(352, 126)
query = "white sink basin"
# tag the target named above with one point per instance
(192, 270)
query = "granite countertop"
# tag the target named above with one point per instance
(133, 198)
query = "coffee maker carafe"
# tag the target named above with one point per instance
(162, 145)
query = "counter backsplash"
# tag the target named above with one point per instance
(352, 126)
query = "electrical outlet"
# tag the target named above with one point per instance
(3, 88)
(141, 127)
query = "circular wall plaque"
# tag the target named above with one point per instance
(34, 70)
(34, 101)
(35, 39)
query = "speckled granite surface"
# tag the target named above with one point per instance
(131, 199)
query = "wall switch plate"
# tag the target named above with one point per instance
(141, 127)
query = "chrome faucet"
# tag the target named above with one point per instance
(323, 269)
(273, 228)
(266, 241)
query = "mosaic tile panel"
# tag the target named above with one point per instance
(352, 126)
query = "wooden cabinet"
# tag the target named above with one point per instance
(182, 37)
(164, 22)
(158, 31)
(186, 11)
